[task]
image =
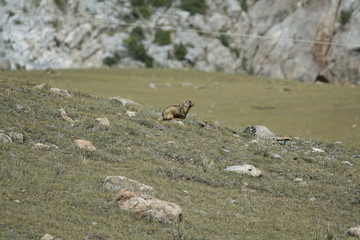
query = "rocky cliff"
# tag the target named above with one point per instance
(299, 39)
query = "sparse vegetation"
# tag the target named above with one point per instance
(136, 47)
(194, 6)
(224, 39)
(162, 37)
(180, 51)
(61, 4)
(244, 5)
(345, 16)
(58, 191)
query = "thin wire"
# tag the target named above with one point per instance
(249, 35)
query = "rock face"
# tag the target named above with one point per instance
(301, 39)
(147, 206)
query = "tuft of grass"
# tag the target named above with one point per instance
(194, 6)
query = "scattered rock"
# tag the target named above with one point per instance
(298, 180)
(42, 146)
(103, 121)
(85, 145)
(245, 169)
(147, 206)
(153, 86)
(5, 138)
(317, 150)
(260, 132)
(60, 92)
(49, 237)
(66, 117)
(41, 86)
(275, 156)
(123, 101)
(312, 199)
(179, 122)
(354, 232)
(116, 183)
(347, 163)
(17, 137)
(130, 113)
(94, 237)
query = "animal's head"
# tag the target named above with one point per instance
(188, 103)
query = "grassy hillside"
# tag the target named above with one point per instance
(322, 112)
(58, 191)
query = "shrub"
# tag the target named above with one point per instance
(136, 47)
(110, 61)
(224, 40)
(180, 52)
(160, 3)
(194, 6)
(162, 37)
(61, 4)
(244, 5)
(144, 11)
(345, 17)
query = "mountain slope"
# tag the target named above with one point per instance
(59, 190)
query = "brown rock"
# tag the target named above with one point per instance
(147, 206)
(85, 145)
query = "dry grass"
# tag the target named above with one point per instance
(59, 191)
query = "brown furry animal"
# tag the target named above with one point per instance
(177, 111)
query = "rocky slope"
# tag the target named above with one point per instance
(277, 38)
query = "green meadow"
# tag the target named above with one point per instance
(289, 108)
(309, 191)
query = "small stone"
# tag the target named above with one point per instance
(298, 180)
(5, 138)
(17, 201)
(179, 122)
(18, 137)
(152, 85)
(130, 113)
(60, 92)
(103, 121)
(42, 146)
(65, 116)
(245, 169)
(276, 156)
(312, 199)
(347, 163)
(354, 232)
(47, 237)
(40, 86)
(225, 150)
(123, 101)
(85, 145)
(317, 150)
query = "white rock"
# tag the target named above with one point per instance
(317, 150)
(354, 232)
(130, 113)
(61, 92)
(103, 121)
(245, 169)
